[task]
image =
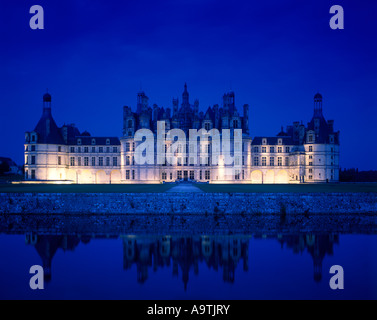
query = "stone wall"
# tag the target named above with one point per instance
(189, 203)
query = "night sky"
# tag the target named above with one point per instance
(95, 55)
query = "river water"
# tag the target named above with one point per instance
(84, 263)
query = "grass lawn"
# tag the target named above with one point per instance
(330, 187)
(89, 188)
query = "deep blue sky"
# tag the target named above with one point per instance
(94, 54)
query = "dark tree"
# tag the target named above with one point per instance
(4, 167)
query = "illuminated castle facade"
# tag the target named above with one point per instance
(299, 154)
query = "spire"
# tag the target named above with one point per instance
(46, 101)
(318, 105)
(185, 97)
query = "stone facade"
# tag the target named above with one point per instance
(296, 155)
(189, 203)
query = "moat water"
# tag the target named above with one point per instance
(183, 265)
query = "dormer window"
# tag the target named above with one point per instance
(310, 138)
(93, 141)
(107, 141)
(79, 142)
(280, 141)
(331, 139)
(264, 141)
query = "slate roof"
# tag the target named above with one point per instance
(47, 130)
(100, 141)
(272, 141)
(324, 130)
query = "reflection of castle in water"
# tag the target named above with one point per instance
(48, 245)
(318, 246)
(185, 253)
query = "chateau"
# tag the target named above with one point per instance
(299, 154)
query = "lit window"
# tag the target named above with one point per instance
(280, 149)
(264, 161)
